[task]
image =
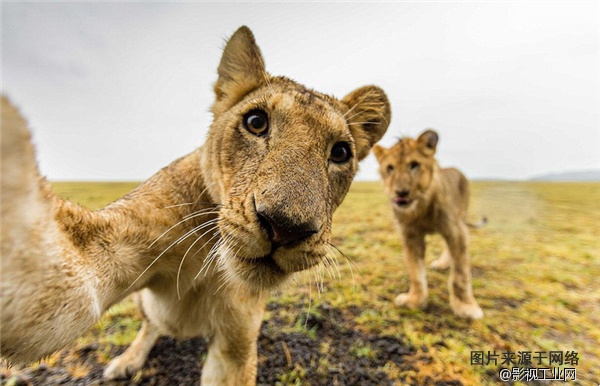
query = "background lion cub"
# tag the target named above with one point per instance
(427, 199)
(204, 239)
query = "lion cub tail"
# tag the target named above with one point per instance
(480, 224)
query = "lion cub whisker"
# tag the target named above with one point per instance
(179, 205)
(194, 202)
(212, 204)
(216, 250)
(332, 265)
(211, 256)
(317, 273)
(228, 278)
(188, 251)
(327, 266)
(212, 222)
(186, 235)
(351, 265)
(347, 258)
(203, 212)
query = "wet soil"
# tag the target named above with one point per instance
(319, 348)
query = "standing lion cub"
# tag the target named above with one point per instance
(203, 240)
(428, 199)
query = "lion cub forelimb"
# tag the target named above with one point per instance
(427, 199)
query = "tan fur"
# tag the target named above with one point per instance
(427, 199)
(204, 239)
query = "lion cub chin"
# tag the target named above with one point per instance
(203, 240)
(427, 199)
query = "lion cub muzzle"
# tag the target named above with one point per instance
(282, 231)
(402, 198)
(290, 206)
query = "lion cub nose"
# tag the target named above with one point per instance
(282, 231)
(402, 193)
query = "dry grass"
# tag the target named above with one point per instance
(536, 267)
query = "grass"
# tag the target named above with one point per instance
(535, 274)
(536, 269)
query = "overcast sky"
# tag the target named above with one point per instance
(115, 91)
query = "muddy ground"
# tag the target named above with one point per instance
(323, 348)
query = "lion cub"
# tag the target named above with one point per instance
(203, 240)
(428, 199)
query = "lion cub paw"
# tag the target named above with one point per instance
(467, 310)
(123, 366)
(411, 301)
(440, 264)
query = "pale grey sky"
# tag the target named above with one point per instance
(115, 91)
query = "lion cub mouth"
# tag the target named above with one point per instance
(267, 262)
(402, 201)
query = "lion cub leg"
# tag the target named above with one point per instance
(229, 363)
(459, 284)
(232, 351)
(133, 359)
(444, 261)
(416, 297)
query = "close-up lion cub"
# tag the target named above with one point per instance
(428, 199)
(203, 240)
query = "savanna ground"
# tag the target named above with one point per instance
(536, 270)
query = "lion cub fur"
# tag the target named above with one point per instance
(203, 240)
(428, 199)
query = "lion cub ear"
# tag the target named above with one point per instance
(428, 141)
(241, 70)
(368, 117)
(379, 152)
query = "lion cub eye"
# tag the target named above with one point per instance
(414, 165)
(256, 122)
(340, 153)
(390, 168)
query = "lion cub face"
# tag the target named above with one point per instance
(407, 170)
(280, 158)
